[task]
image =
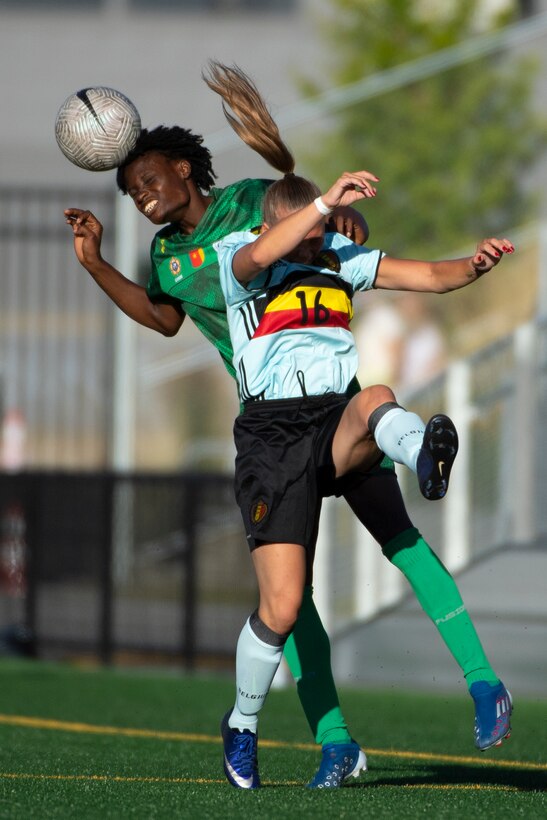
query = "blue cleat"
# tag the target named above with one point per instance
(339, 761)
(240, 756)
(436, 457)
(493, 707)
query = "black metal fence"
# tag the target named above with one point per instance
(121, 568)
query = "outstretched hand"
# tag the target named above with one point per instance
(349, 222)
(88, 233)
(488, 253)
(351, 187)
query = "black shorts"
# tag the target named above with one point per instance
(284, 466)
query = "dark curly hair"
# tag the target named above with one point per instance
(176, 143)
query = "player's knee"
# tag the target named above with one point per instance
(280, 612)
(284, 620)
(370, 399)
(378, 394)
(266, 633)
(381, 404)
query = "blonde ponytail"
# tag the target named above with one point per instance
(253, 123)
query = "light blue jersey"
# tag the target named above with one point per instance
(290, 326)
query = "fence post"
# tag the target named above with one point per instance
(525, 433)
(368, 569)
(457, 507)
(107, 589)
(542, 270)
(124, 353)
(124, 403)
(321, 567)
(189, 520)
(29, 494)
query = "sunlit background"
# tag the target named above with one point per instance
(120, 539)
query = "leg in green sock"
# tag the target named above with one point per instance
(439, 596)
(307, 652)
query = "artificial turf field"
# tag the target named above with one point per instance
(113, 744)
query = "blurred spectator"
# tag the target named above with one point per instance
(379, 333)
(14, 435)
(13, 551)
(423, 354)
(400, 343)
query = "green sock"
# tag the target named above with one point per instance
(307, 651)
(439, 596)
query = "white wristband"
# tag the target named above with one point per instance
(321, 207)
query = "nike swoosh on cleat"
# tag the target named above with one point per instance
(441, 465)
(242, 782)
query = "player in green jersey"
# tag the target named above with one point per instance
(184, 280)
(170, 178)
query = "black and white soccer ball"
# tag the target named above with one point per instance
(97, 127)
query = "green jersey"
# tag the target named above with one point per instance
(185, 266)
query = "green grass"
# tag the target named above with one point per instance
(145, 745)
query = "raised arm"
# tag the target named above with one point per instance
(350, 223)
(281, 238)
(127, 295)
(442, 276)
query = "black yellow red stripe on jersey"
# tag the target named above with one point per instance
(290, 326)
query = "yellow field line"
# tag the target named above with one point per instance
(88, 728)
(107, 777)
(466, 787)
(187, 737)
(211, 781)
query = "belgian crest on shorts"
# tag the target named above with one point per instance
(259, 511)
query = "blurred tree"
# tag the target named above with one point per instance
(451, 150)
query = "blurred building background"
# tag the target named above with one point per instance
(87, 396)
(154, 52)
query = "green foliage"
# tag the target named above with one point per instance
(451, 150)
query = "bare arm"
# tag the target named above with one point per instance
(127, 295)
(286, 234)
(349, 222)
(443, 276)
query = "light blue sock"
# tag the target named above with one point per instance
(399, 434)
(256, 664)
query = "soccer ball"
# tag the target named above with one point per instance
(96, 128)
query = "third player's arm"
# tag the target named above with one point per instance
(282, 237)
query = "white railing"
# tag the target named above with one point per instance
(497, 497)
